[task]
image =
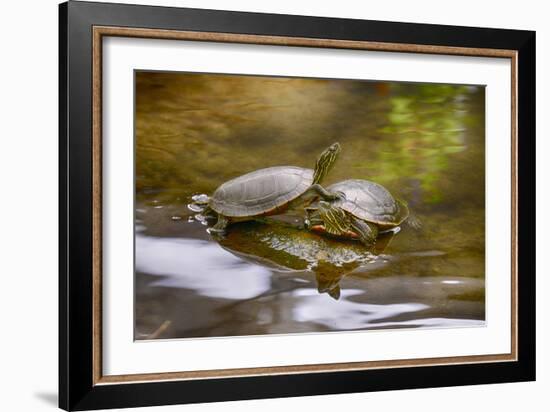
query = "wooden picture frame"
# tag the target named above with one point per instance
(82, 385)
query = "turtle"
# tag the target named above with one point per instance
(268, 191)
(365, 210)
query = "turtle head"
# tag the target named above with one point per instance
(334, 218)
(325, 162)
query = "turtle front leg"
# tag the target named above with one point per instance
(320, 191)
(367, 232)
(220, 226)
(312, 218)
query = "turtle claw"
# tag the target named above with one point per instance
(194, 207)
(336, 196)
(217, 233)
(219, 228)
(201, 199)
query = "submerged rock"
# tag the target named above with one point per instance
(283, 248)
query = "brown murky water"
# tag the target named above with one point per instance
(424, 142)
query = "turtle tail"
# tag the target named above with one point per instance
(413, 221)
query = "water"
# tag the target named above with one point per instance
(424, 142)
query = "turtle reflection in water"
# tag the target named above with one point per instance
(269, 191)
(285, 249)
(365, 210)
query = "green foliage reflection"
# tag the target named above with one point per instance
(427, 124)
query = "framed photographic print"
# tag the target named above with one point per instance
(256, 205)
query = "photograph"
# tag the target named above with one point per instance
(288, 205)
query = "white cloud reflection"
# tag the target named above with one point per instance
(201, 266)
(345, 313)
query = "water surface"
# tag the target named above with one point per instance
(424, 142)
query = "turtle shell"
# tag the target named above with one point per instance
(261, 192)
(371, 202)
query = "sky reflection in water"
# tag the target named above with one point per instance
(200, 266)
